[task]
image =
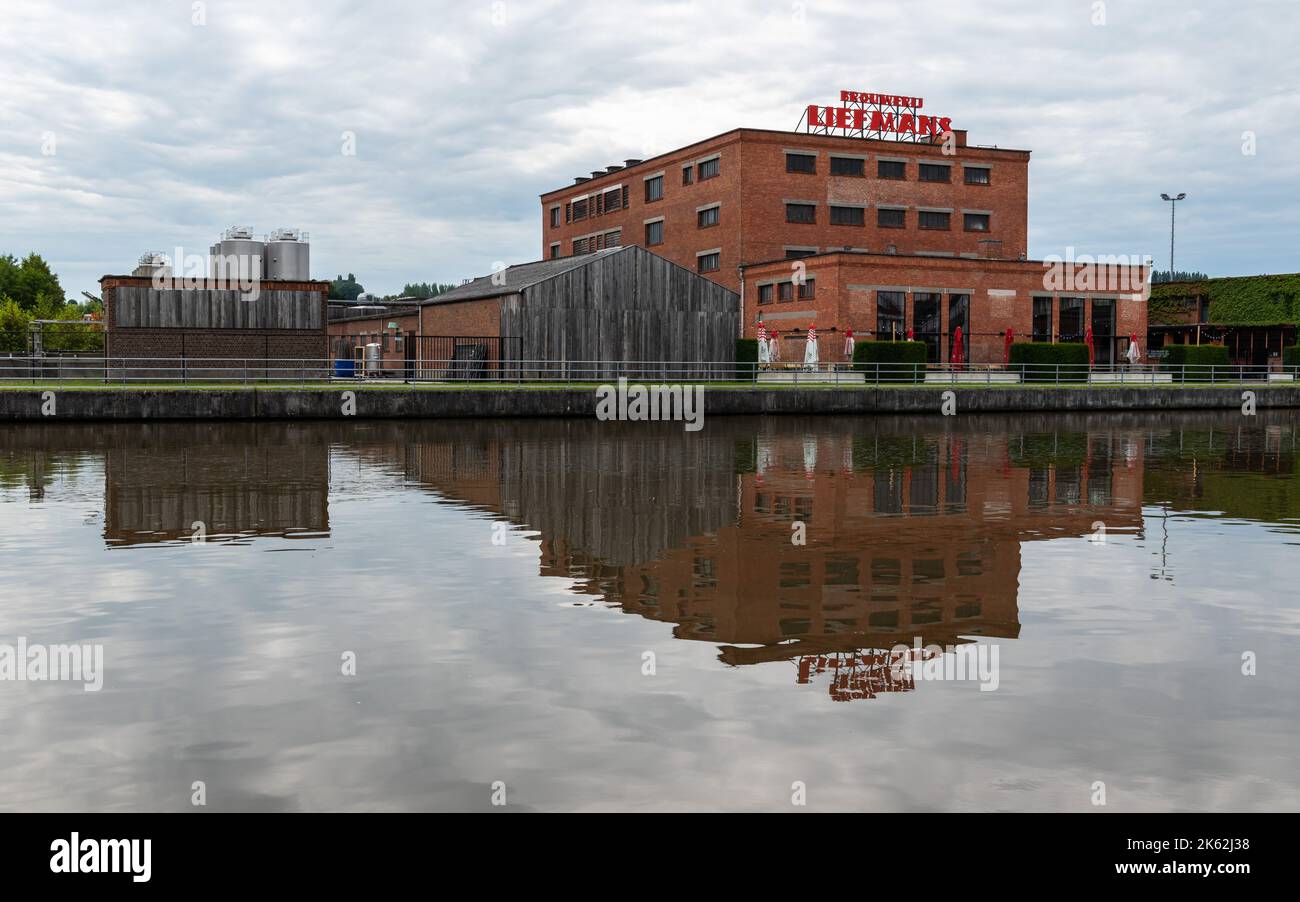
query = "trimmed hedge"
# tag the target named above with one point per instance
(1291, 356)
(896, 355)
(1180, 356)
(1041, 361)
(746, 357)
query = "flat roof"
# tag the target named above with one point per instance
(882, 143)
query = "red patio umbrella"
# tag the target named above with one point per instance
(957, 355)
(1006, 350)
(1087, 339)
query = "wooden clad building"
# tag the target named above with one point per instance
(622, 304)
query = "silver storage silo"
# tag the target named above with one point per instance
(239, 256)
(288, 256)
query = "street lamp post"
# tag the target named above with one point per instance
(1173, 205)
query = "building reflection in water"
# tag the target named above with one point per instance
(910, 531)
(912, 528)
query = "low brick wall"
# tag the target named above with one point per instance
(182, 404)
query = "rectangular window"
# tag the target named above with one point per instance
(687, 174)
(933, 172)
(800, 162)
(766, 294)
(785, 291)
(975, 222)
(928, 219)
(800, 213)
(580, 245)
(1070, 327)
(848, 166)
(891, 219)
(579, 209)
(889, 315)
(654, 189)
(796, 253)
(926, 326)
(807, 289)
(708, 217)
(708, 262)
(555, 251)
(613, 199)
(555, 217)
(891, 169)
(850, 216)
(977, 175)
(613, 239)
(654, 233)
(711, 168)
(1042, 319)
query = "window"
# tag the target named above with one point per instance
(891, 219)
(977, 175)
(766, 294)
(933, 172)
(613, 199)
(555, 251)
(687, 175)
(579, 245)
(975, 222)
(800, 162)
(850, 216)
(794, 253)
(926, 326)
(1042, 319)
(785, 291)
(1070, 326)
(807, 289)
(848, 166)
(889, 315)
(614, 239)
(654, 189)
(891, 169)
(555, 217)
(959, 317)
(708, 262)
(710, 168)
(929, 219)
(800, 213)
(654, 233)
(708, 217)
(579, 209)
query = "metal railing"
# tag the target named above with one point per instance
(315, 371)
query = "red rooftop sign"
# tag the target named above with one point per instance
(865, 115)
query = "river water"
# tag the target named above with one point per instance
(580, 615)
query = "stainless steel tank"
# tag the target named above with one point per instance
(238, 255)
(288, 256)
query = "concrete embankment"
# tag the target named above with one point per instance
(273, 404)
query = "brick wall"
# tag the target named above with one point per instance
(753, 187)
(462, 318)
(845, 288)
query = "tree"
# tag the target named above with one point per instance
(424, 290)
(27, 282)
(1160, 276)
(342, 289)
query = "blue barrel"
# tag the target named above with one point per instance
(345, 369)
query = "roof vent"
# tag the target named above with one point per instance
(631, 162)
(597, 173)
(579, 179)
(613, 168)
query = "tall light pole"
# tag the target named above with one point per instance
(1173, 205)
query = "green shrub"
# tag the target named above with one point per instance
(1194, 356)
(746, 357)
(890, 361)
(1291, 356)
(1040, 361)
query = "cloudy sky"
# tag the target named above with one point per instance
(143, 125)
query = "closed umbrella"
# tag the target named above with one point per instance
(848, 344)
(1134, 354)
(810, 347)
(764, 353)
(958, 354)
(1006, 350)
(1092, 353)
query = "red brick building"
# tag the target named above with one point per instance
(892, 295)
(750, 195)
(392, 328)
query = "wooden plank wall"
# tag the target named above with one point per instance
(626, 306)
(202, 308)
